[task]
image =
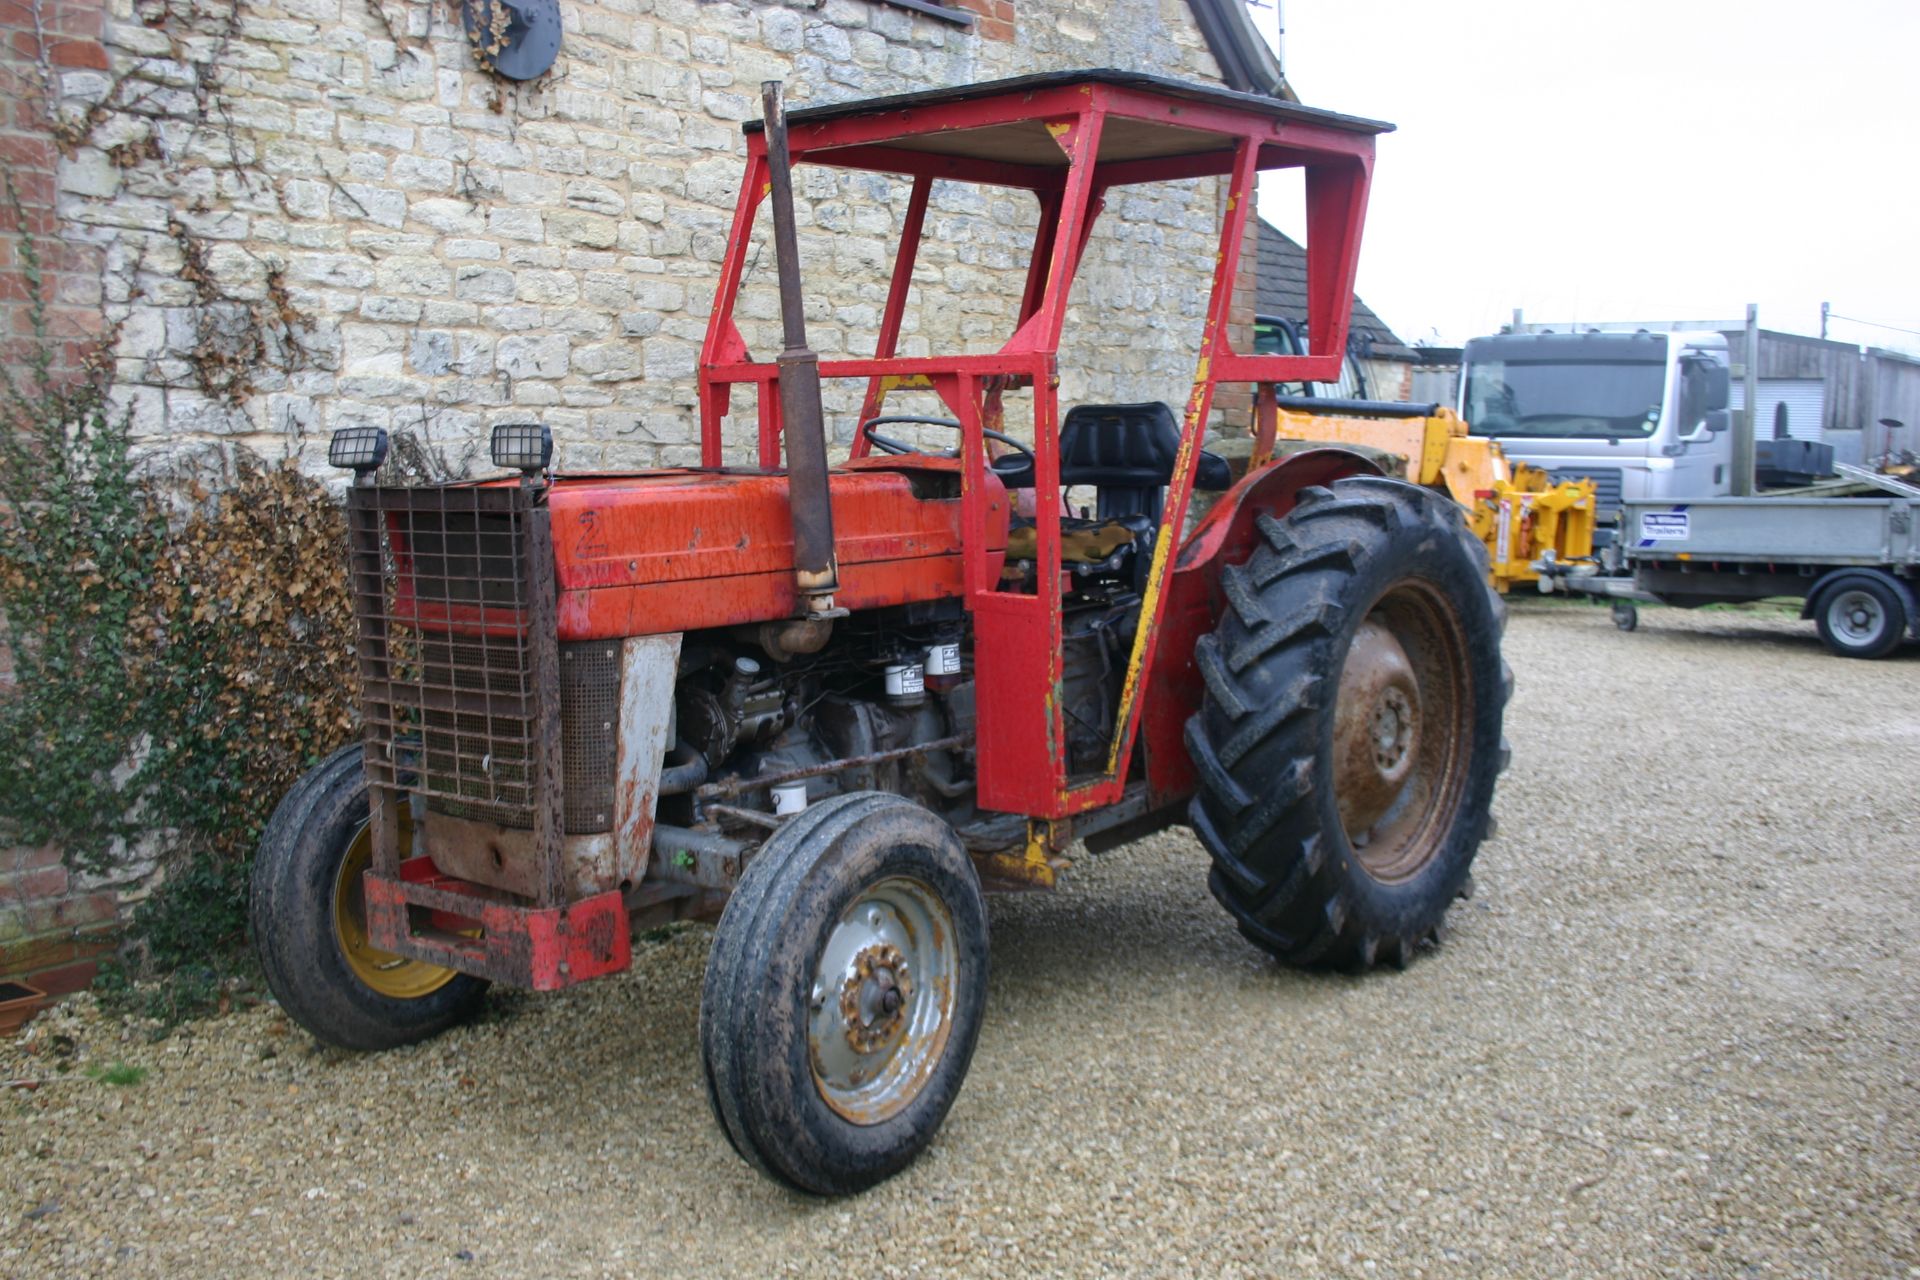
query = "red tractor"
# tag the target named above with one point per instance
(840, 702)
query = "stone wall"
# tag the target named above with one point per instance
(275, 218)
(316, 213)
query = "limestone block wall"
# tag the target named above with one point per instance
(315, 213)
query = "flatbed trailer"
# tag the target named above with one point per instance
(1853, 561)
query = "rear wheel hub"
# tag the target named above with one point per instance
(1376, 727)
(1400, 732)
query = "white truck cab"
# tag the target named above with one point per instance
(1639, 411)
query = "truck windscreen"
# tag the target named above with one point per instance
(1579, 399)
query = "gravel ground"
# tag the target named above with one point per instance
(1673, 1033)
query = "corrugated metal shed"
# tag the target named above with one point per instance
(1858, 389)
(1893, 391)
(1835, 365)
(1790, 408)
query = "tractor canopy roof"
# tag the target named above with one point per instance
(1007, 132)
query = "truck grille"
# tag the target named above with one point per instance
(443, 596)
(1606, 487)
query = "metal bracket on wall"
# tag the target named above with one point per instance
(518, 39)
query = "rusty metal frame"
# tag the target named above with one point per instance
(734, 787)
(423, 585)
(543, 637)
(1022, 761)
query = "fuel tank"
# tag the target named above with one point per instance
(682, 550)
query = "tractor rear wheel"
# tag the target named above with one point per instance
(308, 918)
(1350, 733)
(844, 993)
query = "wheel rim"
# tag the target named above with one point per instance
(1402, 731)
(1856, 617)
(882, 1000)
(382, 971)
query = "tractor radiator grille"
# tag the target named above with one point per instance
(589, 708)
(443, 597)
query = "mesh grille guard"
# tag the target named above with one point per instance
(466, 698)
(453, 594)
(448, 685)
(452, 703)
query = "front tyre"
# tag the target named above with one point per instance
(1350, 733)
(844, 993)
(308, 916)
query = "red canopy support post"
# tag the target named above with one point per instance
(723, 344)
(1039, 256)
(1173, 519)
(1266, 424)
(1079, 137)
(890, 318)
(1336, 209)
(1018, 638)
(1045, 134)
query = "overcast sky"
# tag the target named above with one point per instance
(1627, 160)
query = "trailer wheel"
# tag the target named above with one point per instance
(1861, 618)
(844, 993)
(1626, 616)
(1350, 733)
(309, 923)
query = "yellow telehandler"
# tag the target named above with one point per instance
(1524, 519)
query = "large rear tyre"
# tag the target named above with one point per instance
(844, 993)
(308, 916)
(1350, 733)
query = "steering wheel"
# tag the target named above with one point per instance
(1015, 466)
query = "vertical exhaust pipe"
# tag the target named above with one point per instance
(815, 572)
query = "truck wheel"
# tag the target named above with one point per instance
(309, 923)
(1861, 618)
(1349, 737)
(1626, 616)
(844, 993)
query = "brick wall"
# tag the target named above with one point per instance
(1388, 379)
(54, 927)
(996, 21)
(39, 43)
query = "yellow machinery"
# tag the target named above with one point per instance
(1513, 508)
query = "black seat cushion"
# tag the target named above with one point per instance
(1127, 451)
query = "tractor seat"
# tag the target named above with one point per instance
(1127, 452)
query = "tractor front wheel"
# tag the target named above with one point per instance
(1350, 734)
(844, 993)
(308, 915)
